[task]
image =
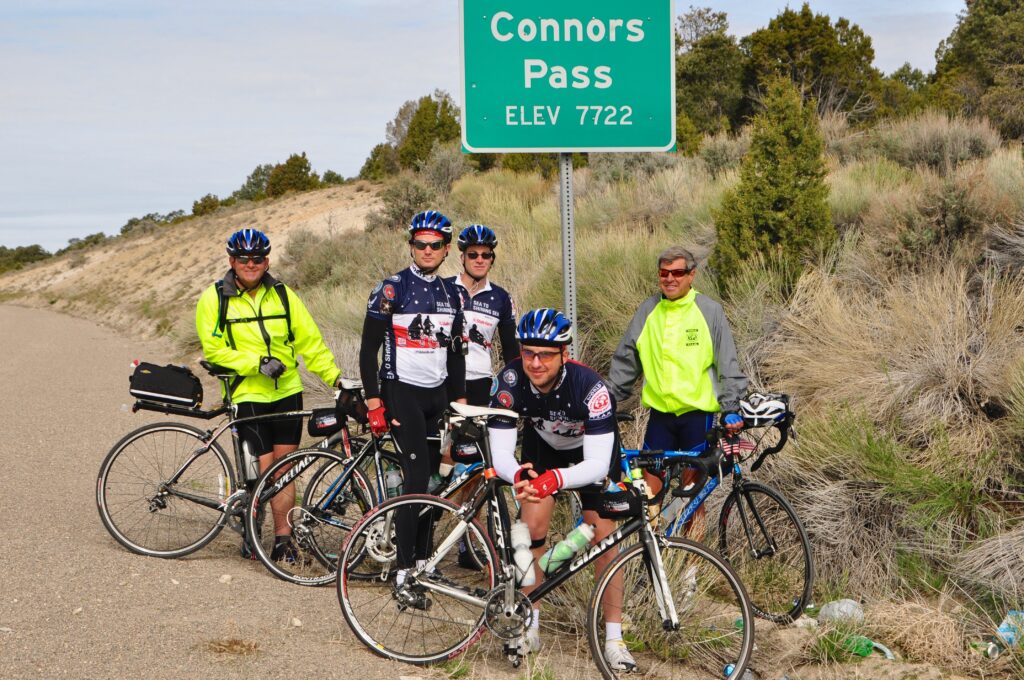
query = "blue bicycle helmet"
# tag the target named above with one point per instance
(248, 242)
(546, 327)
(431, 220)
(477, 235)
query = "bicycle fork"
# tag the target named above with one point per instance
(659, 581)
(771, 548)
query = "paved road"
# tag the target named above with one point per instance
(73, 603)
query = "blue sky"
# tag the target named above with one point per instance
(114, 109)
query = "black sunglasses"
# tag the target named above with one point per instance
(255, 259)
(423, 245)
(485, 255)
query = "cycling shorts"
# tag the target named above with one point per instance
(544, 457)
(264, 435)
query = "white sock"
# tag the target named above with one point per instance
(612, 631)
(400, 576)
(535, 621)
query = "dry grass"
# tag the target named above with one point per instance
(233, 647)
(924, 632)
(995, 564)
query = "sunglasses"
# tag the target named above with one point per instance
(485, 255)
(255, 259)
(675, 273)
(529, 355)
(423, 245)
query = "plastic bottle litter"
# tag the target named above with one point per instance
(747, 674)
(578, 538)
(1011, 630)
(841, 611)
(393, 482)
(521, 554)
(859, 645)
(988, 648)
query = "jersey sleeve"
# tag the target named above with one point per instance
(505, 394)
(600, 405)
(383, 299)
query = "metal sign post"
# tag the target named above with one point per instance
(566, 211)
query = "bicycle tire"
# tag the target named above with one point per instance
(319, 520)
(156, 523)
(367, 593)
(779, 584)
(716, 626)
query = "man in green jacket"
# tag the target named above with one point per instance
(680, 341)
(256, 326)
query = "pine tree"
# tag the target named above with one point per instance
(780, 207)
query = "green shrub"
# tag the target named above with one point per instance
(255, 186)
(295, 174)
(779, 209)
(330, 177)
(618, 167)
(380, 164)
(206, 205)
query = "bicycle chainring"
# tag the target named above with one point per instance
(507, 623)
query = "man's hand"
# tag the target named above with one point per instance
(545, 484)
(732, 422)
(271, 367)
(521, 484)
(378, 418)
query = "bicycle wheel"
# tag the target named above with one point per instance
(417, 623)
(147, 513)
(322, 514)
(764, 541)
(716, 627)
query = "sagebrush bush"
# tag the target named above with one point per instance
(621, 167)
(933, 139)
(856, 187)
(402, 199)
(445, 164)
(723, 151)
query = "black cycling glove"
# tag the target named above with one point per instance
(271, 367)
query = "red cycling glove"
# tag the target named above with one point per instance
(378, 420)
(546, 483)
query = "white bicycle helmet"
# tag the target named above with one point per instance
(761, 409)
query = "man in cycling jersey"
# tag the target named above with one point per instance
(409, 388)
(488, 310)
(244, 325)
(569, 442)
(680, 340)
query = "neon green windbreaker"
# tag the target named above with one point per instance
(685, 351)
(240, 346)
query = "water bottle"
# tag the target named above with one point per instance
(436, 480)
(460, 469)
(250, 463)
(393, 482)
(670, 511)
(521, 555)
(578, 538)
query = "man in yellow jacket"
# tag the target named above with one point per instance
(256, 326)
(680, 341)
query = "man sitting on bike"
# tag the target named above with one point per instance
(256, 326)
(569, 442)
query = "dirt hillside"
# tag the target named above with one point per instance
(149, 283)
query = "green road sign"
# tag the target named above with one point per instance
(567, 75)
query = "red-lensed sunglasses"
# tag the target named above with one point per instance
(674, 273)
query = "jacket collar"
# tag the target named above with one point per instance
(429, 278)
(683, 301)
(458, 282)
(231, 285)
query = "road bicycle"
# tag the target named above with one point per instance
(167, 489)
(759, 532)
(332, 492)
(684, 610)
